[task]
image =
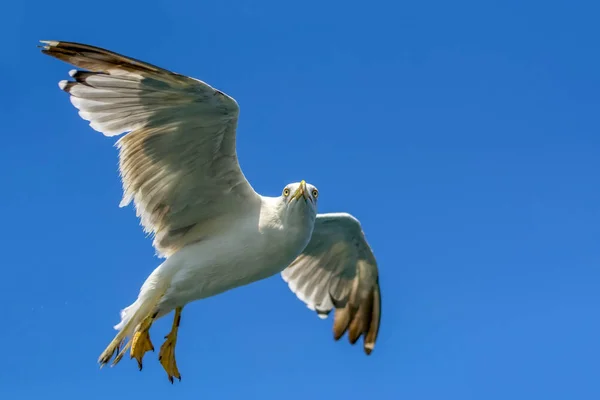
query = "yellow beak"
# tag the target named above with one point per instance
(301, 191)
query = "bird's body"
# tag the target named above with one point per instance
(178, 164)
(257, 247)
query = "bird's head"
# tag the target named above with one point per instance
(300, 197)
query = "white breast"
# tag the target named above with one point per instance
(240, 256)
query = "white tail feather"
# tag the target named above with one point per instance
(148, 299)
(150, 294)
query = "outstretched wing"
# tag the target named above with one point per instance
(178, 163)
(337, 269)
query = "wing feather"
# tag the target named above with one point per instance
(337, 270)
(178, 160)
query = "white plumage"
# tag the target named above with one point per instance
(179, 166)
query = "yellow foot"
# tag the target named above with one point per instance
(167, 350)
(140, 343)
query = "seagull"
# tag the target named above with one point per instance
(178, 165)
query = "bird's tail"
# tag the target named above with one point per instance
(148, 299)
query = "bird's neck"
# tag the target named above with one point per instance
(277, 214)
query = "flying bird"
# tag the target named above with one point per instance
(178, 165)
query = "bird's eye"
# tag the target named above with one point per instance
(286, 192)
(315, 193)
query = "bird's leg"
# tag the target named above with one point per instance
(167, 350)
(140, 343)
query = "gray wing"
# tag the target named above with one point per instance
(178, 163)
(337, 269)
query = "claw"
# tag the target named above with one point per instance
(167, 350)
(140, 344)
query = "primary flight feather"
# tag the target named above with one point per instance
(179, 167)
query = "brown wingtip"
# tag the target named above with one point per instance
(373, 329)
(358, 322)
(94, 58)
(341, 320)
(361, 321)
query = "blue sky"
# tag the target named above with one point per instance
(464, 136)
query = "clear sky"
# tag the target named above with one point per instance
(464, 136)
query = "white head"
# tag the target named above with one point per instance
(300, 200)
